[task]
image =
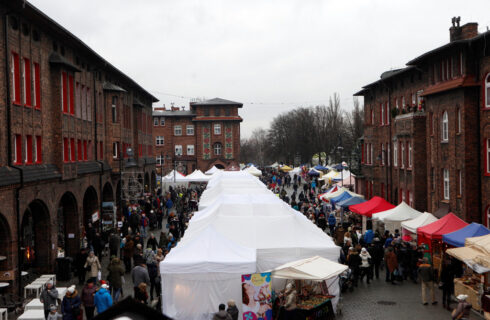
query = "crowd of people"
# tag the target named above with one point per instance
(131, 248)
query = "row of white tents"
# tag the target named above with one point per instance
(196, 176)
(241, 228)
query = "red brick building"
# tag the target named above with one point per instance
(427, 130)
(206, 135)
(68, 121)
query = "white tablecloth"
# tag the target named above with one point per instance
(32, 315)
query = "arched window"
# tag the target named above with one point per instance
(487, 91)
(217, 149)
(445, 128)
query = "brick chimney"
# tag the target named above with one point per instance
(457, 32)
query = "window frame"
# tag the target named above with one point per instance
(217, 149)
(156, 122)
(160, 140)
(178, 147)
(446, 184)
(187, 127)
(487, 157)
(115, 150)
(162, 121)
(193, 150)
(486, 103)
(395, 154)
(29, 157)
(402, 151)
(217, 126)
(445, 127)
(114, 102)
(176, 129)
(15, 72)
(160, 160)
(458, 121)
(409, 154)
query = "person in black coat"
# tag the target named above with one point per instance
(354, 262)
(377, 252)
(447, 280)
(232, 310)
(80, 260)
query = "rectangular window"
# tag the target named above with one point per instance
(446, 183)
(178, 130)
(72, 149)
(85, 151)
(382, 154)
(388, 159)
(37, 86)
(404, 199)
(458, 123)
(401, 195)
(382, 114)
(395, 154)
(190, 150)
(190, 130)
(206, 112)
(402, 153)
(409, 154)
(89, 106)
(84, 102)
(115, 150)
(71, 95)
(371, 154)
(178, 150)
(78, 101)
(26, 75)
(217, 128)
(387, 113)
(155, 122)
(410, 199)
(15, 71)
(114, 109)
(39, 149)
(66, 150)
(160, 140)
(28, 151)
(217, 111)
(79, 150)
(227, 112)
(162, 121)
(160, 159)
(64, 92)
(461, 64)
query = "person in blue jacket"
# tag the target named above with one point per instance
(369, 236)
(332, 221)
(102, 299)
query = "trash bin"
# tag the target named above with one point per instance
(63, 268)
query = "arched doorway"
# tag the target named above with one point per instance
(91, 212)
(5, 245)
(147, 182)
(107, 193)
(35, 237)
(153, 181)
(219, 166)
(68, 225)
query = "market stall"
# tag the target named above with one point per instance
(457, 238)
(409, 227)
(343, 196)
(372, 206)
(345, 204)
(197, 176)
(393, 218)
(212, 170)
(313, 277)
(253, 171)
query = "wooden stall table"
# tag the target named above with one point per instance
(473, 296)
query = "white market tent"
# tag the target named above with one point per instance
(422, 220)
(197, 176)
(253, 171)
(212, 170)
(204, 270)
(276, 232)
(179, 177)
(296, 170)
(393, 217)
(329, 195)
(315, 268)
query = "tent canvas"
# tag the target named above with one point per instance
(285, 168)
(343, 196)
(344, 174)
(446, 224)
(197, 176)
(179, 177)
(314, 268)
(422, 220)
(349, 181)
(368, 208)
(457, 238)
(314, 172)
(482, 243)
(349, 202)
(253, 171)
(212, 170)
(399, 213)
(320, 167)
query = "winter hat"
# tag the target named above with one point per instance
(71, 289)
(105, 286)
(53, 307)
(363, 250)
(50, 282)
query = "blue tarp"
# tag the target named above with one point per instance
(350, 202)
(458, 237)
(321, 168)
(341, 197)
(313, 173)
(338, 167)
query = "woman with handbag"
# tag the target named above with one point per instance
(365, 265)
(70, 306)
(93, 266)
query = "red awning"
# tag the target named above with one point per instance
(437, 229)
(368, 208)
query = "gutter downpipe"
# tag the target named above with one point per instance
(9, 153)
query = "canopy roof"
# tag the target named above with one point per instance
(320, 167)
(343, 196)
(315, 268)
(349, 181)
(482, 243)
(314, 172)
(401, 212)
(337, 191)
(457, 238)
(422, 220)
(212, 170)
(197, 176)
(475, 253)
(446, 224)
(210, 252)
(179, 177)
(285, 168)
(331, 174)
(296, 170)
(253, 171)
(344, 174)
(368, 208)
(351, 201)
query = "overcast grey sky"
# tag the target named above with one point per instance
(272, 55)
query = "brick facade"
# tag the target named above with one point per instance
(57, 136)
(202, 117)
(444, 122)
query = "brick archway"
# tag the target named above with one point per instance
(68, 225)
(107, 193)
(6, 249)
(90, 206)
(35, 237)
(147, 182)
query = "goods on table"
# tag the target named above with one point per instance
(313, 301)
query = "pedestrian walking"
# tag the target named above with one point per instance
(114, 244)
(365, 265)
(139, 274)
(93, 266)
(102, 299)
(70, 306)
(426, 274)
(49, 297)
(232, 310)
(88, 293)
(116, 273)
(391, 265)
(141, 295)
(79, 264)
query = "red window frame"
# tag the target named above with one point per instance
(37, 86)
(27, 83)
(15, 70)
(79, 150)
(64, 93)
(66, 150)
(72, 150)
(85, 156)
(39, 149)
(18, 149)
(28, 149)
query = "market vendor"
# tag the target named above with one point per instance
(290, 302)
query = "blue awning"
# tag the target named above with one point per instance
(321, 168)
(350, 202)
(458, 237)
(341, 197)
